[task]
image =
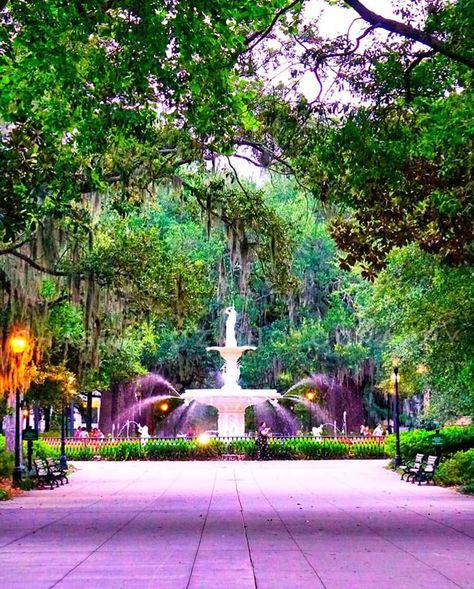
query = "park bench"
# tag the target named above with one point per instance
(43, 475)
(427, 471)
(49, 472)
(411, 470)
(57, 471)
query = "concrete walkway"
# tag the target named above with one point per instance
(237, 525)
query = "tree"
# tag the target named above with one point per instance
(422, 311)
(85, 81)
(395, 157)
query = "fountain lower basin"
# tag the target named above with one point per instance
(231, 404)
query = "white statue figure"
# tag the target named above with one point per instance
(317, 432)
(144, 434)
(231, 320)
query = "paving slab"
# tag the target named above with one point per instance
(237, 525)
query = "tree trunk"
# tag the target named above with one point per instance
(9, 429)
(89, 412)
(47, 418)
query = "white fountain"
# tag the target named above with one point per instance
(231, 399)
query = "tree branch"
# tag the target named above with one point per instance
(12, 248)
(263, 149)
(37, 266)
(236, 176)
(260, 35)
(405, 30)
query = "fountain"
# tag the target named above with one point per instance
(231, 400)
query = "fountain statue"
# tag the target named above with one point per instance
(230, 400)
(144, 434)
(230, 339)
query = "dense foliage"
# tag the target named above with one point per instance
(125, 226)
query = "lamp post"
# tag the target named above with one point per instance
(389, 414)
(310, 396)
(18, 345)
(25, 409)
(396, 423)
(63, 458)
(71, 391)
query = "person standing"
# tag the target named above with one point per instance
(263, 432)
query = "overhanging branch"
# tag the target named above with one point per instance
(409, 32)
(37, 266)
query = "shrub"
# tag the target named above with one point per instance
(7, 462)
(168, 450)
(468, 489)
(5, 495)
(42, 450)
(75, 452)
(128, 450)
(281, 450)
(455, 438)
(457, 470)
(368, 449)
(247, 447)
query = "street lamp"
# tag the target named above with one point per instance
(18, 345)
(396, 423)
(310, 395)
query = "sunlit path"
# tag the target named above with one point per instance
(333, 524)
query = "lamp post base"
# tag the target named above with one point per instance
(17, 476)
(63, 462)
(397, 461)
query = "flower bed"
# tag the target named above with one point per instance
(298, 448)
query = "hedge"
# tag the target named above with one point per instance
(455, 439)
(457, 470)
(180, 449)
